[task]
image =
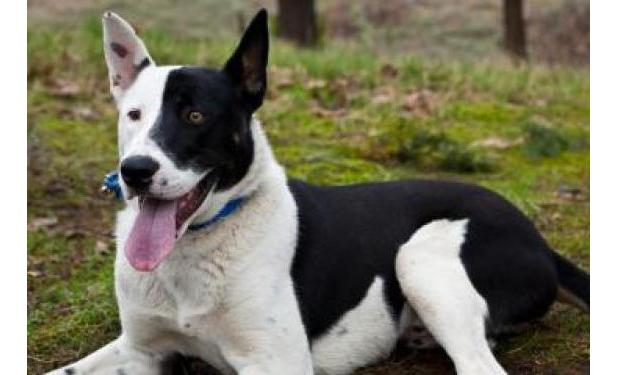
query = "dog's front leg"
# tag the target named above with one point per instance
(255, 352)
(265, 335)
(117, 357)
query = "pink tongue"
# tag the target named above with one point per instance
(153, 234)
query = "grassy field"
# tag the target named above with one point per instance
(335, 115)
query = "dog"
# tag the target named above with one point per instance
(222, 258)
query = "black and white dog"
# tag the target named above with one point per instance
(222, 257)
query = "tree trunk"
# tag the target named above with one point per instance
(515, 28)
(297, 21)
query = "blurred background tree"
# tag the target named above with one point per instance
(515, 28)
(297, 21)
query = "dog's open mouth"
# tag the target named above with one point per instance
(159, 223)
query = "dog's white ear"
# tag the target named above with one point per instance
(247, 66)
(125, 53)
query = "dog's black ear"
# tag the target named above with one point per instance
(247, 66)
(125, 53)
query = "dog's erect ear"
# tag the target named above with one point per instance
(125, 53)
(247, 66)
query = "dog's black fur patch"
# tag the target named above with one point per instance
(348, 235)
(227, 99)
(222, 142)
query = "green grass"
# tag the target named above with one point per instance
(334, 115)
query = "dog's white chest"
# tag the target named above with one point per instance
(179, 301)
(184, 290)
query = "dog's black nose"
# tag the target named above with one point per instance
(137, 171)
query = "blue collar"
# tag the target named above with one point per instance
(226, 211)
(112, 184)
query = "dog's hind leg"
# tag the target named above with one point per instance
(117, 357)
(435, 283)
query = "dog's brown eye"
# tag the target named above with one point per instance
(134, 114)
(195, 118)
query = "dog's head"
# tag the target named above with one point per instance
(184, 133)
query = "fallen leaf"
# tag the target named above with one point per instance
(42, 222)
(383, 96)
(330, 113)
(389, 71)
(101, 247)
(418, 102)
(570, 193)
(35, 273)
(281, 77)
(64, 88)
(313, 84)
(86, 113)
(498, 142)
